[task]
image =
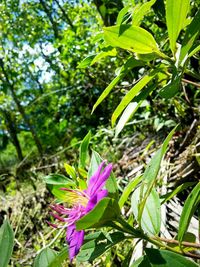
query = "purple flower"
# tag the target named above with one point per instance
(80, 203)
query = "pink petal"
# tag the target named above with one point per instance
(97, 181)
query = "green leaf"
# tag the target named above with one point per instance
(104, 212)
(190, 206)
(141, 12)
(176, 13)
(126, 115)
(171, 89)
(165, 258)
(122, 15)
(128, 189)
(177, 190)
(86, 62)
(59, 194)
(141, 262)
(153, 167)
(60, 258)
(111, 184)
(57, 179)
(84, 150)
(132, 38)
(130, 95)
(96, 244)
(45, 258)
(112, 52)
(6, 243)
(192, 33)
(151, 216)
(70, 171)
(151, 172)
(129, 64)
(194, 51)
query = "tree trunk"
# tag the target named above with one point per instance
(22, 111)
(11, 127)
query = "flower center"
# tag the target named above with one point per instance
(75, 196)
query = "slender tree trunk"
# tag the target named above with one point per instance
(11, 127)
(22, 111)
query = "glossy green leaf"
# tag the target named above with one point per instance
(128, 189)
(141, 12)
(129, 64)
(110, 52)
(104, 212)
(45, 258)
(176, 13)
(126, 115)
(132, 38)
(111, 184)
(84, 150)
(194, 51)
(171, 89)
(57, 179)
(165, 258)
(86, 62)
(151, 216)
(177, 190)
(192, 33)
(6, 243)
(190, 206)
(130, 95)
(96, 244)
(122, 16)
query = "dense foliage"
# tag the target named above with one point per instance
(82, 75)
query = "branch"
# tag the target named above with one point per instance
(66, 16)
(191, 82)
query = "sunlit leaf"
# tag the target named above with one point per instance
(128, 65)
(104, 212)
(141, 12)
(132, 38)
(176, 13)
(128, 189)
(84, 150)
(130, 95)
(190, 206)
(192, 33)
(151, 216)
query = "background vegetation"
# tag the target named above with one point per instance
(55, 63)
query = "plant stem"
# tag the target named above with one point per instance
(173, 241)
(191, 82)
(123, 226)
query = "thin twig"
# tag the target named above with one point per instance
(184, 243)
(191, 82)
